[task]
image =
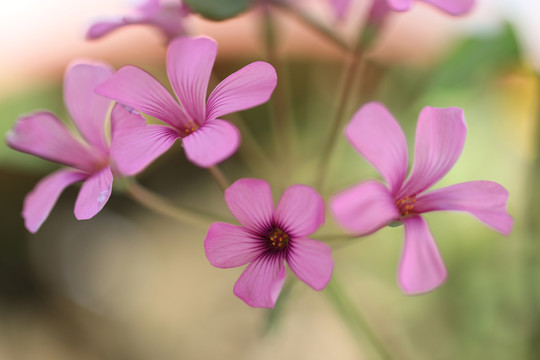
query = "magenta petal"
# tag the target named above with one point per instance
(228, 246)
(40, 201)
(379, 138)
(139, 90)
(42, 134)
(261, 282)
(213, 142)
(399, 5)
(133, 149)
(123, 119)
(88, 109)
(364, 208)
(102, 28)
(300, 211)
(94, 194)
(311, 261)
(189, 64)
(248, 87)
(486, 200)
(452, 7)
(422, 268)
(251, 203)
(440, 136)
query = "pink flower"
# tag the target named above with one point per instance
(369, 206)
(451, 7)
(167, 17)
(207, 140)
(340, 7)
(269, 238)
(42, 134)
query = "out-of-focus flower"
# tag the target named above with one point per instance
(42, 134)
(207, 140)
(268, 238)
(340, 7)
(369, 206)
(167, 17)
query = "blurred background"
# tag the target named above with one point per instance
(131, 284)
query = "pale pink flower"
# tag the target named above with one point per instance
(42, 134)
(369, 206)
(167, 17)
(207, 140)
(268, 238)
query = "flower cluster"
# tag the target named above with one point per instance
(269, 237)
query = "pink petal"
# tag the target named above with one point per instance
(228, 246)
(486, 200)
(311, 261)
(379, 138)
(94, 194)
(139, 90)
(40, 201)
(440, 136)
(189, 64)
(133, 149)
(261, 282)
(364, 208)
(103, 28)
(248, 87)
(340, 7)
(400, 5)
(88, 109)
(42, 134)
(251, 203)
(123, 119)
(300, 211)
(213, 142)
(421, 268)
(170, 19)
(452, 7)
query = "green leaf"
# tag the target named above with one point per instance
(218, 9)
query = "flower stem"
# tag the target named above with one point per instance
(162, 206)
(531, 248)
(312, 23)
(350, 76)
(281, 119)
(220, 177)
(353, 318)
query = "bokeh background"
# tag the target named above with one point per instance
(131, 284)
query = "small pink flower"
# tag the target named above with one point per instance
(369, 206)
(42, 134)
(167, 17)
(269, 238)
(207, 140)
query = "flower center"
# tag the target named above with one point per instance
(190, 127)
(406, 205)
(278, 239)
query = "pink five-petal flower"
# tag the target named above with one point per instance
(367, 207)
(43, 134)
(268, 238)
(207, 140)
(167, 17)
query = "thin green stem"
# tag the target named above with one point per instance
(220, 177)
(531, 247)
(312, 23)
(350, 77)
(279, 106)
(162, 206)
(353, 318)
